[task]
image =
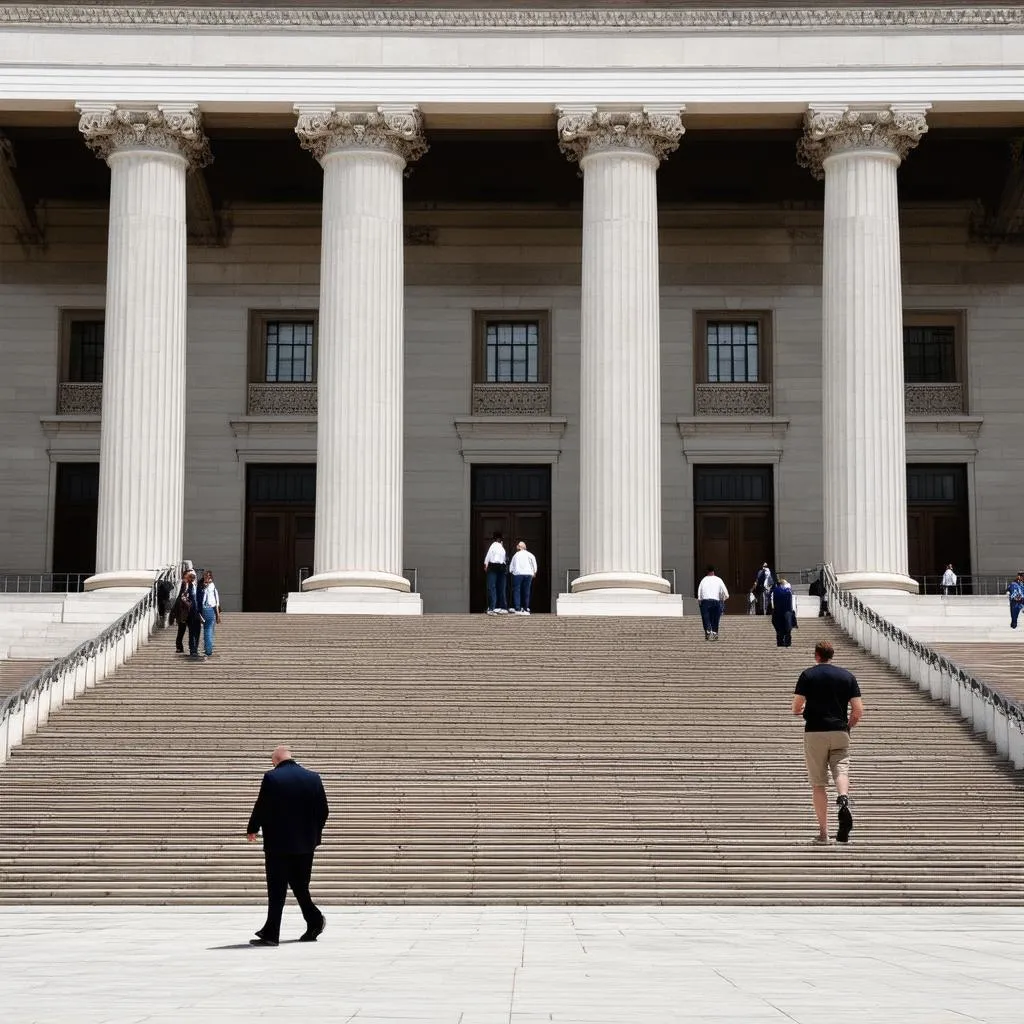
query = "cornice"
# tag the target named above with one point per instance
(398, 19)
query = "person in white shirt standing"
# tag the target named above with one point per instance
(948, 580)
(523, 569)
(496, 569)
(210, 610)
(711, 596)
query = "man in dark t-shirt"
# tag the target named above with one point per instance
(828, 698)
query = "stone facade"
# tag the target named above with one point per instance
(707, 263)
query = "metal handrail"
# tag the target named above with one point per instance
(43, 582)
(88, 650)
(972, 584)
(668, 574)
(837, 597)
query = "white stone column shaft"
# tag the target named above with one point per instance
(359, 507)
(620, 400)
(142, 431)
(864, 445)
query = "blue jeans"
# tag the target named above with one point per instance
(522, 584)
(1015, 609)
(711, 615)
(497, 596)
(209, 621)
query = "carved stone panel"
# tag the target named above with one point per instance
(933, 399)
(733, 400)
(79, 399)
(511, 399)
(281, 400)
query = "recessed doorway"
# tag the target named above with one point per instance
(734, 528)
(74, 522)
(515, 501)
(938, 524)
(280, 514)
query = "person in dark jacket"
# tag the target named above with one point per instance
(783, 614)
(291, 811)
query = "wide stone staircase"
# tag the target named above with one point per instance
(504, 759)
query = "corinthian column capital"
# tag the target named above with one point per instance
(171, 128)
(828, 130)
(655, 131)
(398, 130)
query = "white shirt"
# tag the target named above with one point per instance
(495, 554)
(712, 589)
(949, 578)
(523, 564)
(211, 599)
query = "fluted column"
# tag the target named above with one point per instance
(358, 543)
(620, 398)
(857, 151)
(142, 431)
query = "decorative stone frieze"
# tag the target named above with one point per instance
(653, 130)
(511, 399)
(733, 400)
(399, 130)
(74, 399)
(829, 130)
(933, 399)
(281, 400)
(172, 128)
(693, 19)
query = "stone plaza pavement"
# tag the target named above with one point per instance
(515, 965)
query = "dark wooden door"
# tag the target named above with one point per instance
(515, 501)
(74, 519)
(734, 541)
(938, 523)
(280, 518)
(733, 526)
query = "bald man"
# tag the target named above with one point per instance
(291, 811)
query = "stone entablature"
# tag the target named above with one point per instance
(441, 15)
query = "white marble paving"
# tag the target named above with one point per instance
(515, 965)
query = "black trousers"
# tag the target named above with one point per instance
(179, 643)
(284, 871)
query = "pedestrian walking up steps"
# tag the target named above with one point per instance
(504, 760)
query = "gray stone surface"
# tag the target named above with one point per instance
(515, 965)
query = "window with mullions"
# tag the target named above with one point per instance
(289, 351)
(85, 352)
(930, 354)
(733, 352)
(512, 352)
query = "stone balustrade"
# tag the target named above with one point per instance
(511, 399)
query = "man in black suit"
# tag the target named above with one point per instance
(291, 810)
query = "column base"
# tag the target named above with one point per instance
(642, 581)
(621, 601)
(122, 578)
(876, 581)
(354, 601)
(365, 578)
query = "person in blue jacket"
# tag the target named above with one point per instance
(1015, 591)
(783, 613)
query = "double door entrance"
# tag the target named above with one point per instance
(734, 528)
(280, 513)
(938, 524)
(514, 501)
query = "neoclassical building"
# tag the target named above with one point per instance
(323, 298)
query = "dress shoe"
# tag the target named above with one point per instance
(311, 934)
(263, 942)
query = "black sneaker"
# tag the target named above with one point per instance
(845, 820)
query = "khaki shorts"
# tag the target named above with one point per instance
(825, 751)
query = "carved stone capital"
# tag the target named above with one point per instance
(172, 128)
(655, 131)
(398, 130)
(829, 130)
